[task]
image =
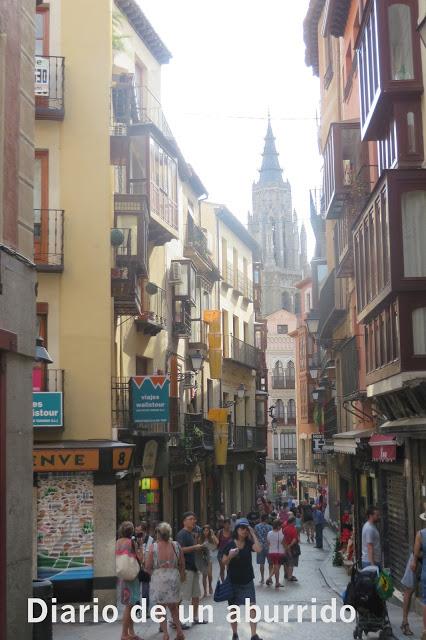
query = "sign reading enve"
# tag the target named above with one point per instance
(45, 460)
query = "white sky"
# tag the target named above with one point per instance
(232, 59)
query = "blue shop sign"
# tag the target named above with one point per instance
(47, 409)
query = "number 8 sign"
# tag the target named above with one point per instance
(121, 458)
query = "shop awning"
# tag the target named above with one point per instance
(348, 441)
(414, 427)
(383, 447)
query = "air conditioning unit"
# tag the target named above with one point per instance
(175, 276)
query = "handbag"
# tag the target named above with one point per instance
(384, 585)
(223, 591)
(295, 550)
(126, 567)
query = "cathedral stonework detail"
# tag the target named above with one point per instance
(274, 226)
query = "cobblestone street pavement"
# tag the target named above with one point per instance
(317, 579)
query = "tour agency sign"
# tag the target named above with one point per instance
(150, 398)
(47, 409)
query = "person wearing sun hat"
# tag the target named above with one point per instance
(420, 553)
(237, 556)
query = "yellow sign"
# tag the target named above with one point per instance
(121, 457)
(213, 318)
(219, 417)
(45, 460)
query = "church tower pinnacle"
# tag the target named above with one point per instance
(270, 172)
(274, 226)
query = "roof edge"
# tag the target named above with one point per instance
(144, 29)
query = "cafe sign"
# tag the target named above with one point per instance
(150, 398)
(48, 409)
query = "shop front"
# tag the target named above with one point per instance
(74, 496)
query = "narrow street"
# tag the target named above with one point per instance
(314, 565)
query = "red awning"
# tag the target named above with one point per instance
(383, 448)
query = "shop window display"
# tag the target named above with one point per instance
(150, 499)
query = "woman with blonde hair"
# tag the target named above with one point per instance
(129, 589)
(165, 563)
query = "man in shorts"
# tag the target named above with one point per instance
(191, 589)
(262, 529)
(308, 521)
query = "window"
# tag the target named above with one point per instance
(282, 328)
(419, 331)
(291, 409)
(287, 446)
(279, 410)
(278, 369)
(414, 233)
(400, 41)
(290, 370)
(42, 31)
(275, 438)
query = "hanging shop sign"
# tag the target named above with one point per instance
(150, 457)
(150, 398)
(41, 76)
(318, 442)
(383, 448)
(47, 409)
(219, 417)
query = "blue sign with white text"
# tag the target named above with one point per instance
(150, 398)
(47, 409)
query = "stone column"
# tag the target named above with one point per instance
(104, 581)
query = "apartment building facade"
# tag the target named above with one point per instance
(17, 310)
(370, 307)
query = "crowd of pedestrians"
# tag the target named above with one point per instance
(170, 572)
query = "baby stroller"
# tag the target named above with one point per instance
(371, 611)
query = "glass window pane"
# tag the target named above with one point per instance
(414, 233)
(419, 331)
(400, 41)
(351, 148)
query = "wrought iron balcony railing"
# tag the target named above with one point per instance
(49, 87)
(49, 239)
(132, 105)
(241, 352)
(283, 382)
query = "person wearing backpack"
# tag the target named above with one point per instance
(128, 563)
(420, 553)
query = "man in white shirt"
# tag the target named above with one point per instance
(371, 546)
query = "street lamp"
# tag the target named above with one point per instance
(241, 391)
(41, 353)
(197, 360)
(312, 322)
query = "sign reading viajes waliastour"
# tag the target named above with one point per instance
(150, 398)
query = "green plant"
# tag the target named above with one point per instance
(337, 554)
(118, 40)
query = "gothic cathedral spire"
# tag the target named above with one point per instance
(275, 228)
(270, 172)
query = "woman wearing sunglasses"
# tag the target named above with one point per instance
(237, 558)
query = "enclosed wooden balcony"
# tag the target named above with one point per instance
(343, 249)
(196, 249)
(126, 291)
(153, 316)
(389, 61)
(130, 235)
(389, 240)
(332, 306)
(49, 239)
(344, 157)
(49, 87)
